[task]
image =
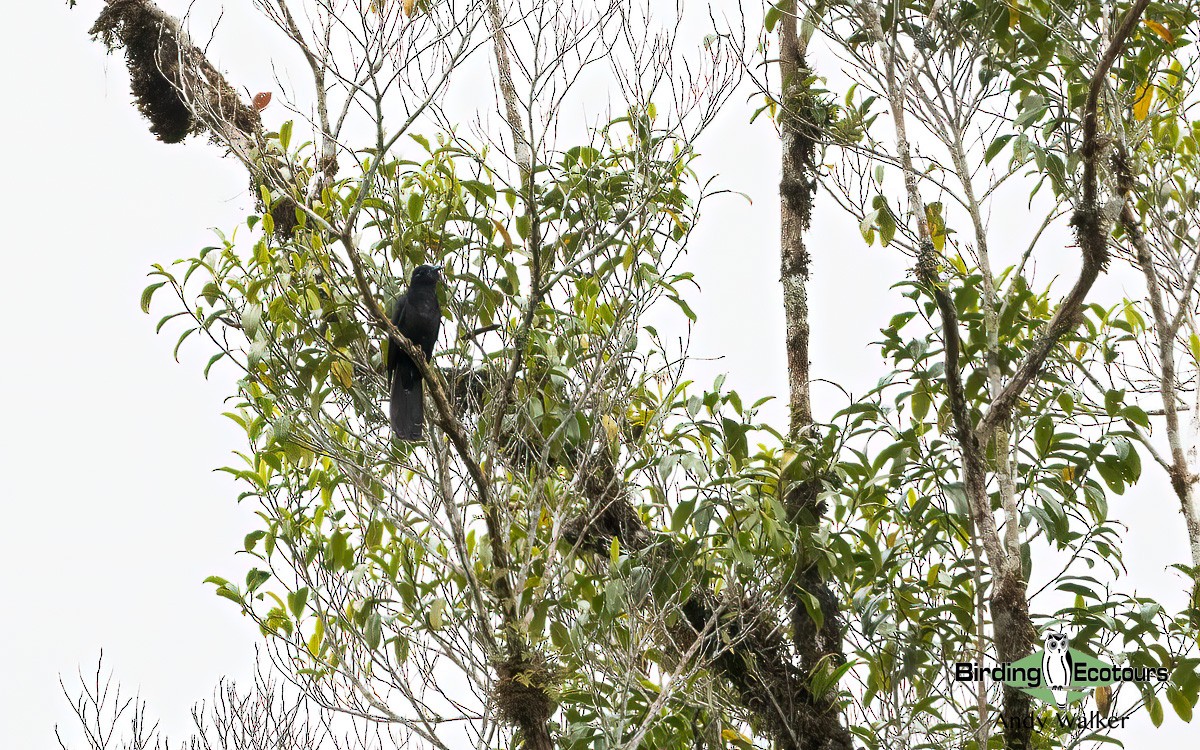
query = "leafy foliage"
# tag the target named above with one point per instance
(636, 537)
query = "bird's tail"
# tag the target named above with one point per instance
(407, 410)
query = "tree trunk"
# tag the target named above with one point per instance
(819, 723)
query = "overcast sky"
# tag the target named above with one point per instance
(113, 514)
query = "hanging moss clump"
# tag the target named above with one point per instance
(148, 44)
(524, 691)
(174, 85)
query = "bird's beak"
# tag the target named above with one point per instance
(438, 267)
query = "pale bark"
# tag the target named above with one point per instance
(1012, 626)
(818, 723)
(1184, 479)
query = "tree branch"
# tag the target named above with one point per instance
(1090, 231)
(174, 84)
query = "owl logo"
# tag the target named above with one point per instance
(1057, 667)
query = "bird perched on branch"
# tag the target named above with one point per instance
(418, 316)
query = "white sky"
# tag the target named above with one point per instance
(112, 512)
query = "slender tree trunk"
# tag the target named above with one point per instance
(1013, 630)
(1166, 328)
(797, 190)
(533, 720)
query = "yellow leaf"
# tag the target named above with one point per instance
(318, 637)
(1161, 30)
(1141, 105)
(508, 243)
(410, 7)
(785, 463)
(1014, 15)
(611, 431)
(343, 372)
(675, 216)
(1068, 473)
(937, 226)
(1103, 696)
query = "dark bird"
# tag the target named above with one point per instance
(418, 316)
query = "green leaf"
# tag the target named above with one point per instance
(996, 147)
(813, 608)
(1136, 415)
(920, 401)
(824, 681)
(252, 539)
(1183, 707)
(373, 633)
(212, 361)
(374, 536)
(1112, 401)
(1066, 402)
(1043, 435)
(480, 191)
(149, 291)
(687, 310)
(256, 578)
(681, 514)
(297, 601)
(1111, 471)
(772, 18)
(1155, 709)
(735, 437)
(252, 319)
(179, 343)
(230, 593)
(885, 220)
(285, 134)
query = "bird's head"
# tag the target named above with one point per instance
(425, 275)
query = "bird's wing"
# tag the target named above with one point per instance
(397, 320)
(437, 328)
